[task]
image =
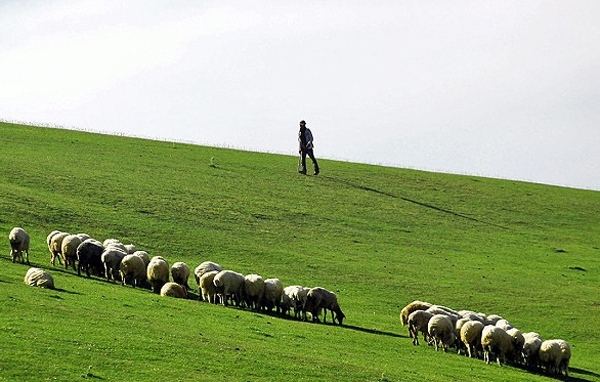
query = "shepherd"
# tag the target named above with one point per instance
(305, 139)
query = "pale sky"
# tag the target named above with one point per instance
(507, 89)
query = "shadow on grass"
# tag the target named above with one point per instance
(370, 331)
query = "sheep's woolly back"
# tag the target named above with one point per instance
(144, 256)
(50, 236)
(133, 266)
(205, 267)
(470, 335)
(495, 340)
(550, 355)
(37, 277)
(173, 290)
(408, 309)
(441, 329)
(254, 289)
(207, 287)
(157, 273)
(180, 272)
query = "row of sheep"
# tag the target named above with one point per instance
(119, 262)
(484, 336)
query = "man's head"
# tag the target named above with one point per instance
(302, 123)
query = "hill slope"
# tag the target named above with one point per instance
(379, 237)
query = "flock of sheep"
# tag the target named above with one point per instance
(484, 336)
(124, 263)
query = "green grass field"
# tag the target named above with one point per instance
(379, 237)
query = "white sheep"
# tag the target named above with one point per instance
(460, 348)
(441, 330)
(273, 295)
(69, 249)
(472, 316)
(496, 341)
(418, 322)
(170, 289)
(229, 283)
(56, 247)
(531, 348)
(566, 357)
(157, 273)
(504, 324)
(19, 243)
(518, 341)
(318, 299)
(114, 243)
(144, 256)
(296, 295)
(411, 307)
(111, 258)
(132, 270)
(180, 272)
(492, 319)
(438, 309)
(207, 266)
(254, 289)
(470, 336)
(39, 278)
(208, 290)
(131, 249)
(550, 355)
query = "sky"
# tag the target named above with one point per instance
(506, 89)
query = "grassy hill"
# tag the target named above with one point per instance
(379, 237)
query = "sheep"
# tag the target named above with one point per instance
(297, 299)
(504, 324)
(470, 336)
(457, 327)
(472, 316)
(157, 273)
(229, 283)
(130, 249)
(208, 290)
(273, 294)
(320, 298)
(144, 256)
(441, 330)
(408, 309)
(69, 249)
(417, 322)
(181, 273)
(254, 289)
(111, 258)
(492, 319)
(114, 243)
(55, 247)
(531, 348)
(19, 243)
(207, 266)
(518, 341)
(39, 278)
(89, 256)
(438, 309)
(176, 290)
(566, 357)
(132, 270)
(495, 340)
(550, 355)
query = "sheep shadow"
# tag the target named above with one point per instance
(369, 331)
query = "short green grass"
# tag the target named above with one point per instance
(379, 237)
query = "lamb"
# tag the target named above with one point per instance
(418, 322)
(181, 273)
(170, 289)
(408, 309)
(470, 336)
(551, 356)
(566, 357)
(320, 298)
(56, 247)
(111, 258)
(132, 270)
(495, 340)
(69, 248)
(230, 283)
(89, 256)
(19, 243)
(441, 330)
(157, 273)
(273, 294)
(531, 348)
(254, 289)
(39, 278)
(208, 290)
(297, 299)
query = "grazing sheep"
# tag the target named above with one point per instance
(441, 330)
(130, 249)
(157, 273)
(472, 316)
(504, 324)
(111, 258)
(69, 249)
(56, 247)
(408, 309)
(205, 267)
(518, 341)
(531, 349)
(144, 256)
(495, 340)
(39, 278)
(114, 243)
(19, 243)
(438, 309)
(273, 295)
(132, 270)
(460, 347)
(321, 298)
(492, 319)
(470, 336)
(181, 273)
(551, 356)
(418, 322)
(296, 295)
(230, 283)
(208, 290)
(173, 290)
(566, 357)
(49, 237)
(254, 289)
(89, 256)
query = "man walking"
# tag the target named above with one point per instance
(305, 139)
